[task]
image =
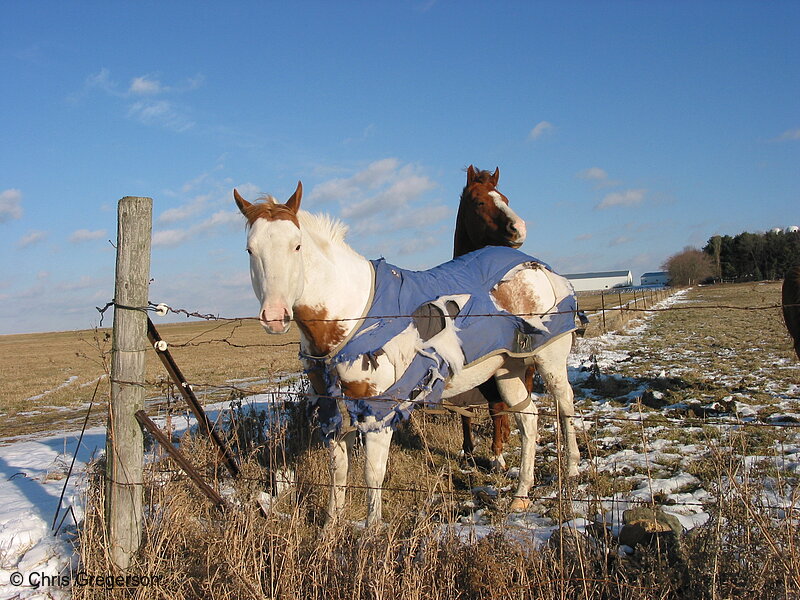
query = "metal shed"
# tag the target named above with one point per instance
(655, 278)
(605, 280)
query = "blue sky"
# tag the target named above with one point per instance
(624, 131)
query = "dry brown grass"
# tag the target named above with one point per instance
(195, 551)
(746, 549)
(611, 311)
(210, 354)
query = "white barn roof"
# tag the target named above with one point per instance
(587, 282)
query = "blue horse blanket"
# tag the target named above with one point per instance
(462, 287)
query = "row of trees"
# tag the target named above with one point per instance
(744, 257)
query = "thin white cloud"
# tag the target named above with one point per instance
(221, 218)
(160, 113)
(540, 129)
(149, 85)
(624, 198)
(185, 211)
(593, 174)
(368, 132)
(169, 237)
(145, 85)
(398, 195)
(147, 93)
(175, 237)
(583, 237)
(618, 241)
(10, 205)
(102, 81)
(346, 189)
(417, 219)
(31, 238)
(387, 207)
(598, 176)
(84, 235)
(790, 135)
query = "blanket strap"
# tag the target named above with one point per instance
(346, 427)
(517, 408)
(464, 412)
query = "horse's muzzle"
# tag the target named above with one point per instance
(275, 326)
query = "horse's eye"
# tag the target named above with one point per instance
(250, 252)
(298, 248)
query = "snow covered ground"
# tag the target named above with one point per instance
(33, 471)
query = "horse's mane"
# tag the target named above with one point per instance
(324, 228)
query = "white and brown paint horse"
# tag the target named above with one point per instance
(303, 270)
(485, 218)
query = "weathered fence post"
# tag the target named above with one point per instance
(603, 310)
(124, 446)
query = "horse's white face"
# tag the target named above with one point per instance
(276, 271)
(274, 243)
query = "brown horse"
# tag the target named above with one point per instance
(791, 305)
(485, 219)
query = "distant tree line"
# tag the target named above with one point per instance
(753, 256)
(744, 257)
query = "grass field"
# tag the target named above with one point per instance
(51, 377)
(695, 413)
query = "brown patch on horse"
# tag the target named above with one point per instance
(359, 389)
(515, 297)
(324, 334)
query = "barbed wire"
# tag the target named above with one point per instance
(163, 308)
(544, 412)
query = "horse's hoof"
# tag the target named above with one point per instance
(466, 462)
(499, 464)
(520, 504)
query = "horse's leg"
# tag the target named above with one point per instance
(467, 447)
(501, 428)
(511, 385)
(376, 450)
(551, 363)
(340, 450)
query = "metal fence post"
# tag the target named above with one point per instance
(124, 444)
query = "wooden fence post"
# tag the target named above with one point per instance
(124, 444)
(603, 310)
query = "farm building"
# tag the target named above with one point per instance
(655, 278)
(590, 282)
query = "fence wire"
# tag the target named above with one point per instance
(654, 419)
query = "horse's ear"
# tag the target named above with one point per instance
(293, 203)
(496, 176)
(241, 202)
(470, 174)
